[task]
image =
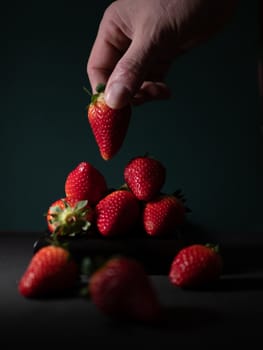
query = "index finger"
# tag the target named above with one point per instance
(108, 48)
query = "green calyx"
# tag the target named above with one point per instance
(70, 221)
(214, 247)
(99, 89)
(93, 97)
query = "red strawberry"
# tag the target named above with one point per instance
(163, 215)
(145, 177)
(117, 213)
(68, 217)
(85, 182)
(121, 288)
(196, 265)
(51, 270)
(108, 125)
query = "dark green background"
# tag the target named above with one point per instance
(208, 135)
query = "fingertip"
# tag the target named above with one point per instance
(117, 95)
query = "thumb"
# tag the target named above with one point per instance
(128, 75)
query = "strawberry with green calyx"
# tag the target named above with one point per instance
(196, 265)
(52, 270)
(117, 213)
(120, 288)
(86, 182)
(145, 176)
(163, 215)
(69, 217)
(109, 126)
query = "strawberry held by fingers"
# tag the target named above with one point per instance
(85, 182)
(121, 288)
(69, 217)
(52, 270)
(109, 126)
(196, 265)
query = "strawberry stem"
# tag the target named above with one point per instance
(87, 90)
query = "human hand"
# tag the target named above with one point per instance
(138, 40)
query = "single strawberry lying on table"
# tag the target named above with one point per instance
(120, 288)
(195, 266)
(51, 271)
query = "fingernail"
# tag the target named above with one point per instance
(117, 95)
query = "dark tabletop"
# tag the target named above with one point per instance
(230, 312)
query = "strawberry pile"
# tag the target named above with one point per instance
(119, 286)
(89, 206)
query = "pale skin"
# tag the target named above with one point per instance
(138, 41)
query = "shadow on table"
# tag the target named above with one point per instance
(236, 283)
(186, 318)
